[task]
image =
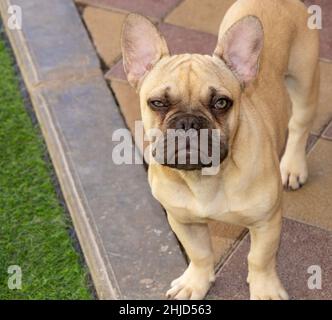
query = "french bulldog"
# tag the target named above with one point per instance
(259, 89)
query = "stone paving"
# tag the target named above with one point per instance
(192, 26)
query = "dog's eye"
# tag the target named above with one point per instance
(156, 104)
(222, 103)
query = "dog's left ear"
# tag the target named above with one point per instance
(142, 47)
(241, 46)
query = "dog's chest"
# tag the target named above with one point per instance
(202, 203)
(214, 200)
(194, 202)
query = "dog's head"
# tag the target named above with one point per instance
(190, 94)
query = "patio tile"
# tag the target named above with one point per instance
(59, 54)
(128, 101)
(327, 134)
(324, 112)
(326, 32)
(105, 29)
(183, 40)
(311, 142)
(152, 8)
(301, 246)
(207, 15)
(313, 203)
(116, 72)
(224, 238)
(200, 15)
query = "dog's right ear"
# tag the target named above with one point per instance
(142, 47)
(240, 47)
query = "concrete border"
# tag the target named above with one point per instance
(119, 226)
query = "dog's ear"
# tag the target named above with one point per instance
(241, 46)
(142, 47)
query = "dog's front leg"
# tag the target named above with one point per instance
(263, 280)
(194, 283)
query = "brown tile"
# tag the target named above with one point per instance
(311, 142)
(207, 15)
(324, 113)
(116, 72)
(313, 203)
(326, 32)
(327, 134)
(200, 15)
(182, 40)
(301, 246)
(129, 105)
(105, 29)
(128, 101)
(224, 238)
(152, 8)
(179, 40)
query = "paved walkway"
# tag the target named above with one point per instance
(192, 26)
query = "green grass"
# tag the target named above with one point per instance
(34, 229)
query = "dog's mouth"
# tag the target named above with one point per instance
(188, 159)
(190, 151)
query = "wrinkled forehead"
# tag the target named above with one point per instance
(190, 76)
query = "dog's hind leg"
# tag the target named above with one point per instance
(302, 83)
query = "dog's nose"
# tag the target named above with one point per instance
(189, 122)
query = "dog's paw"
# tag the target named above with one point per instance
(294, 172)
(192, 285)
(266, 288)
